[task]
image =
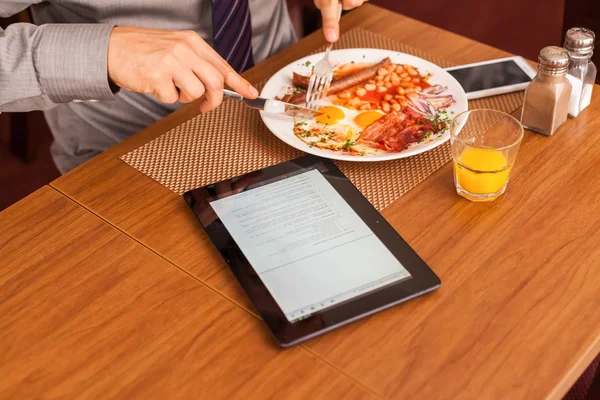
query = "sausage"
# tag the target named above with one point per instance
(341, 84)
(300, 81)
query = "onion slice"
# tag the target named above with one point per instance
(440, 101)
(422, 107)
(435, 89)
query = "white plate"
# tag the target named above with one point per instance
(283, 126)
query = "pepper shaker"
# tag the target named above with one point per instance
(546, 102)
(579, 42)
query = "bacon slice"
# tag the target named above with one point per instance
(341, 84)
(395, 131)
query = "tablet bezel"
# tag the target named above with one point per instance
(422, 279)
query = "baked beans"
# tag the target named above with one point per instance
(404, 80)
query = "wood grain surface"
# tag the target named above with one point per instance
(87, 312)
(516, 316)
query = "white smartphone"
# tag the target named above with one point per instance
(494, 77)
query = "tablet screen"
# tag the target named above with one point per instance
(308, 246)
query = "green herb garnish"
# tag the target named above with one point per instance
(348, 144)
(439, 122)
(426, 136)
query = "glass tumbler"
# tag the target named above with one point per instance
(484, 146)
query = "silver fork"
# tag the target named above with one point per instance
(321, 77)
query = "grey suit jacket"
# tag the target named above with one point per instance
(59, 64)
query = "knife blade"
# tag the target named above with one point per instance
(274, 106)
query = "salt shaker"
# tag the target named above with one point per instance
(579, 42)
(546, 102)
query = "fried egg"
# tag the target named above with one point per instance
(331, 115)
(359, 120)
(366, 118)
(337, 128)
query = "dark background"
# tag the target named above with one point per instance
(519, 26)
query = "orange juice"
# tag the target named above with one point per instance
(482, 173)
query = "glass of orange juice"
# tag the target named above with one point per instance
(484, 145)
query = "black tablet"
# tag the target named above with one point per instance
(308, 249)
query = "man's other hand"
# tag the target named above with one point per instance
(329, 11)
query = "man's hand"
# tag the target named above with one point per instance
(171, 65)
(328, 8)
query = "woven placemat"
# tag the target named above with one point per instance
(232, 140)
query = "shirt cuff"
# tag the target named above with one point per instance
(71, 62)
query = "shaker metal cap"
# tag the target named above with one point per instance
(554, 58)
(580, 40)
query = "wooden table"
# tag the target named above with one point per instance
(86, 311)
(120, 292)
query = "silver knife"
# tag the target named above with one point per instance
(273, 106)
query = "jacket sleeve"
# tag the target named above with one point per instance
(41, 66)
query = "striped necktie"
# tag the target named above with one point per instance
(232, 32)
